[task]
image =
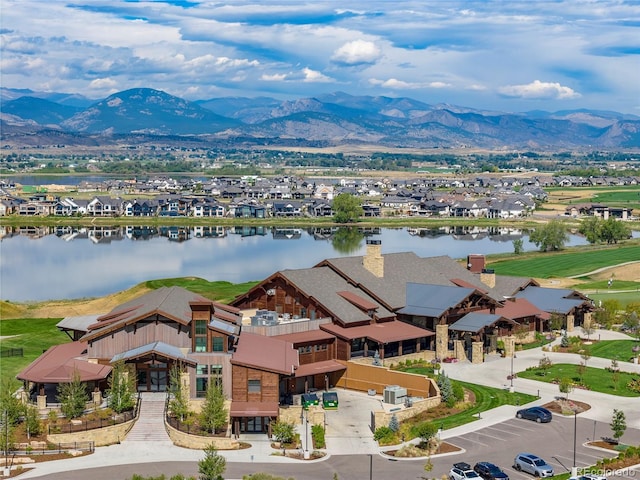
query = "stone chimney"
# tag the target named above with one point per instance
(475, 263)
(488, 277)
(373, 259)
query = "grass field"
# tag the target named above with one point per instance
(566, 263)
(219, 291)
(624, 298)
(597, 379)
(613, 349)
(34, 335)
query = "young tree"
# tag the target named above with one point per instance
(394, 424)
(518, 246)
(545, 364)
(9, 403)
(213, 415)
(565, 386)
(213, 465)
(32, 421)
(618, 424)
(121, 389)
(588, 329)
(426, 431)
(612, 230)
(551, 236)
(179, 402)
(346, 208)
(446, 389)
(73, 397)
(564, 341)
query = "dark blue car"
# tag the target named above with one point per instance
(489, 471)
(538, 414)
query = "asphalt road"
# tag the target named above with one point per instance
(498, 443)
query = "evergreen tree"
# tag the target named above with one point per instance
(121, 389)
(446, 389)
(73, 397)
(394, 424)
(213, 415)
(213, 465)
(179, 402)
(564, 341)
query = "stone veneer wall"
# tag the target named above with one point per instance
(382, 417)
(197, 442)
(99, 436)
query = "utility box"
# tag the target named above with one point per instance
(394, 394)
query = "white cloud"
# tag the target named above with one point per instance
(276, 77)
(313, 76)
(539, 90)
(103, 84)
(396, 84)
(356, 53)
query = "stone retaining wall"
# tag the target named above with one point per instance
(197, 442)
(382, 417)
(99, 436)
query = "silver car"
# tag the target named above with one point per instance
(530, 463)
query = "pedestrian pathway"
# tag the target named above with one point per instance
(150, 424)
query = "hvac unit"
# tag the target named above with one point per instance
(394, 394)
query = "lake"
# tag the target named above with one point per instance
(45, 263)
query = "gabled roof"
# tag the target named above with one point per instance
(519, 308)
(552, 299)
(266, 353)
(474, 322)
(170, 302)
(403, 268)
(79, 323)
(323, 284)
(60, 362)
(308, 336)
(155, 348)
(433, 300)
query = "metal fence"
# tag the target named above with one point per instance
(74, 426)
(47, 448)
(11, 352)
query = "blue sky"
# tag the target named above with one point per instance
(486, 54)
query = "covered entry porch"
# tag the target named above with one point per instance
(252, 417)
(153, 363)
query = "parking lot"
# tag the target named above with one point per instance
(553, 441)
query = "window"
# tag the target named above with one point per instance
(253, 386)
(202, 369)
(201, 386)
(218, 344)
(201, 327)
(201, 344)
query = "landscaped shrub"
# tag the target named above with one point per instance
(317, 433)
(383, 434)
(394, 424)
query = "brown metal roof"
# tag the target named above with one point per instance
(306, 337)
(386, 332)
(254, 409)
(518, 308)
(358, 301)
(58, 364)
(319, 367)
(265, 353)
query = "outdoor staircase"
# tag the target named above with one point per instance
(150, 424)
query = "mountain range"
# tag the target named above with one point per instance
(140, 115)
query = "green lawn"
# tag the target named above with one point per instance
(624, 298)
(486, 399)
(218, 291)
(566, 264)
(35, 335)
(613, 349)
(597, 379)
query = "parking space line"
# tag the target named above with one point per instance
(500, 430)
(490, 436)
(515, 425)
(473, 441)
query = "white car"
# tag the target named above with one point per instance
(589, 476)
(463, 471)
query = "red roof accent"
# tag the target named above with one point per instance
(254, 409)
(358, 301)
(305, 337)
(463, 283)
(319, 367)
(386, 332)
(58, 364)
(265, 353)
(519, 308)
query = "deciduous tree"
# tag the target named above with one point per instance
(346, 208)
(551, 236)
(73, 397)
(213, 415)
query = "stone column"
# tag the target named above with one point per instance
(570, 323)
(96, 397)
(41, 402)
(509, 345)
(442, 341)
(460, 352)
(476, 352)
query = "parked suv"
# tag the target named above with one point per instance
(489, 471)
(463, 471)
(530, 463)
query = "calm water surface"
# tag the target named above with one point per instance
(77, 264)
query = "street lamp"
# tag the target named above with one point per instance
(574, 469)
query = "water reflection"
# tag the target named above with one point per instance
(41, 263)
